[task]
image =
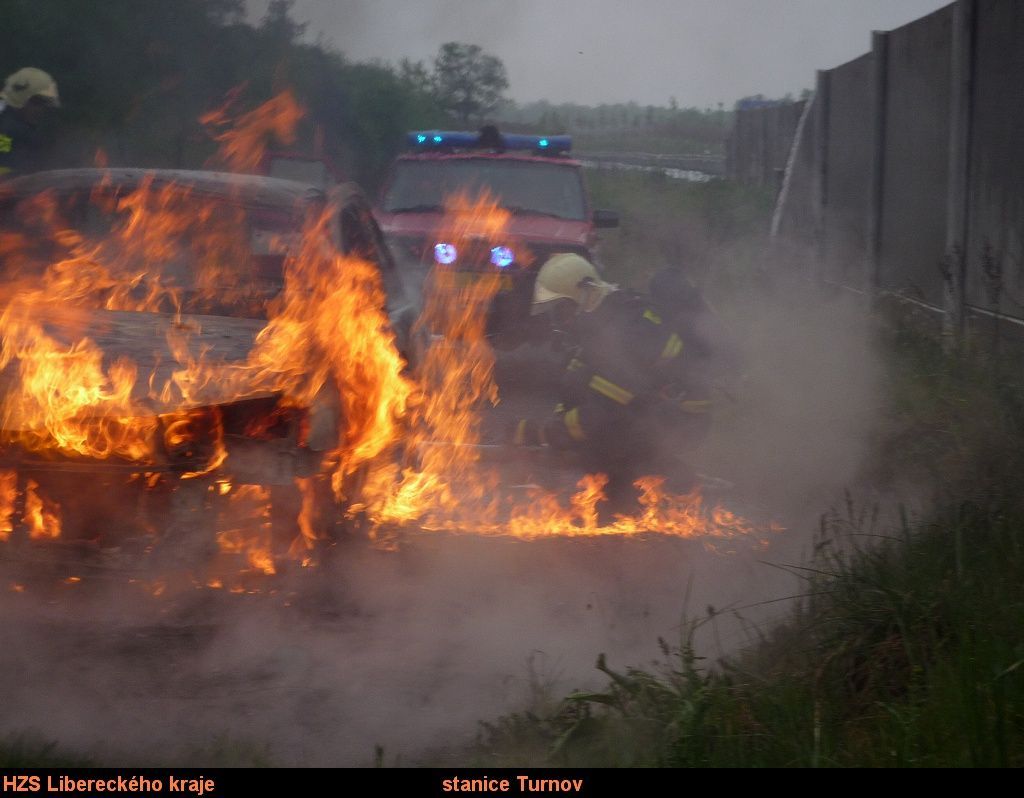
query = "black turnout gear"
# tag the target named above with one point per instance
(634, 395)
(23, 147)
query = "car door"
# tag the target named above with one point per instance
(360, 236)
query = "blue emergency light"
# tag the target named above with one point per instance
(426, 140)
(502, 257)
(552, 144)
(445, 254)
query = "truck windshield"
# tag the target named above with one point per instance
(548, 189)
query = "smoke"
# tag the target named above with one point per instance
(407, 650)
(410, 649)
(808, 406)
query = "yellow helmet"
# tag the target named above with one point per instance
(569, 276)
(27, 83)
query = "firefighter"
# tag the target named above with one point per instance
(635, 394)
(28, 97)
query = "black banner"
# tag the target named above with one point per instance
(234, 783)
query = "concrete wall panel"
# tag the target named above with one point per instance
(847, 171)
(995, 248)
(916, 157)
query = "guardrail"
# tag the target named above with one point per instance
(708, 164)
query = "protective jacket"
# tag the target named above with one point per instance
(633, 385)
(21, 147)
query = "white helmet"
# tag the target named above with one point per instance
(27, 83)
(569, 276)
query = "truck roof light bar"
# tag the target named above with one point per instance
(427, 140)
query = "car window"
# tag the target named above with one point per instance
(210, 255)
(528, 186)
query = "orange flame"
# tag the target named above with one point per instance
(8, 495)
(249, 532)
(322, 345)
(326, 346)
(679, 515)
(71, 397)
(244, 139)
(448, 488)
(41, 514)
(307, 528)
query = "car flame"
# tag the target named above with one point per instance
(322, 345)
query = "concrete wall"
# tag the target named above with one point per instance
(917, 165)
(916, 158)
(846, 172)
(759, 145)
(995, 220)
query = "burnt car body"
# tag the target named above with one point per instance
(269, 439)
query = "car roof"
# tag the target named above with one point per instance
(255, 190)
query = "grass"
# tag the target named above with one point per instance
(647, 141)
(664, 221)
(24, 751)
(220, 751)
(955, 423)
(907, 648)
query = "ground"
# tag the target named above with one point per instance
(408, 649)
(403, 649)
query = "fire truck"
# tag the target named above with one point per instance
(532, 176)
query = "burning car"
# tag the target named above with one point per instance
(169, 336)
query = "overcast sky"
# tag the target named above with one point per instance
(594, 51)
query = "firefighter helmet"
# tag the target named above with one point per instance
(569, 276)
(27, 83)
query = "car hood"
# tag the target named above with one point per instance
(144, 339)
(523, 227)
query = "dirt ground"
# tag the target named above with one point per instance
(407, 649)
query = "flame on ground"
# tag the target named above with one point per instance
(8, 496)
(245, 528)
(42, 515)
(448, 489)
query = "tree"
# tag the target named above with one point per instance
(467, 81)
(414, 73)
(135, 76)
(278, 24)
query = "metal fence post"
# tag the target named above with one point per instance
(876, 178)
(820, 183)
(962, 80)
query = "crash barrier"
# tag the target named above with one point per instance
(905, 174)
(711, 165)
